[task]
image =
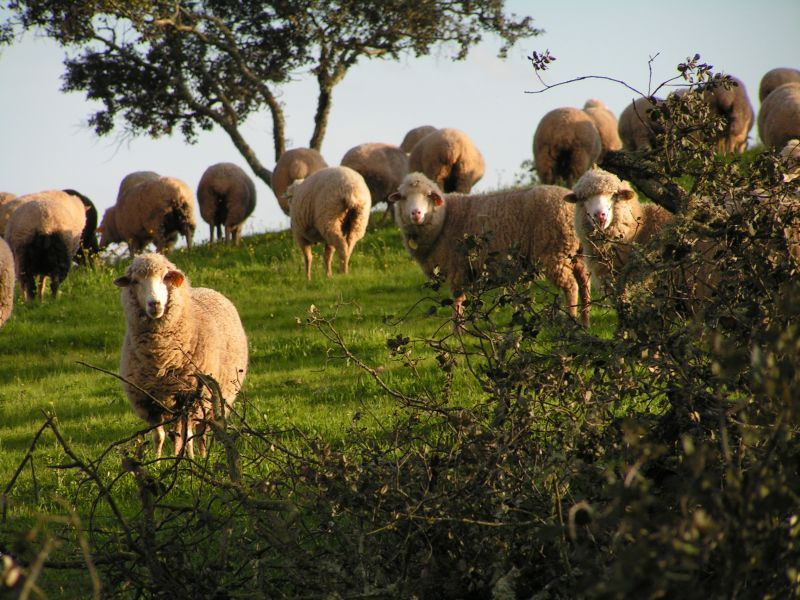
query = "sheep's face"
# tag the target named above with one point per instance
(151, 290)
(599, 208)
(417, 206)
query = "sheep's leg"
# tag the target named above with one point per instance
(582, 277)
(40, 290)
(159, 435)
(329, 249)
(458, 312)
(308, 258)
(211, 229)
(342, 248)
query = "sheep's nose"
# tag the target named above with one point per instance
(416, 215)
(154, 308)
(601, 216)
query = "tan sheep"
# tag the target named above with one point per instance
(775, 78)
(330, 206)
(414, 135)
(9, 204)
(565, 145)
(44, 234)
(7, 281)
(449, 158)
(637, 130)
(151, 209)
(779, 116)
(609, 220)
(293, 165)
(227, 196)
(536, 221)
(382, 166)
(174, 333)
(606, 123)
(733, 104)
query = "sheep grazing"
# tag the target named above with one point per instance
(7, 281)
(636, 128)
(330, 206)
(565, 145)
(174, 334)
(413, 136)
(44, 234)
(294, 165)
(606, 123)
(775, 78)
(382, 166)
(732, 103)
(149, 209)
(535, 220)
(227, 196)
(449, 158)
(88, 248)
(609, 219)
(779, 116)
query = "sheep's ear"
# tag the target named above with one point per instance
(625, 194)
(175, 278)
(437, 199)
(393, 197)
(123, 281)
(100, 229)
(571, 198)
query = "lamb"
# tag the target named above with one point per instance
(637, 129)
(44, 234)
(606, 123)
(152, 209)
(609, 219)
(330, 206)
(382, 166)
(779, 116)
(565, 145)
(733, 104)
(174, 335)
(775, 78)
(294, 165)
(227, 196)
(7, 281)
(88, 247)
(449, 158)
(535, 220)
(414, 135)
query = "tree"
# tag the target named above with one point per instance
(157, 66)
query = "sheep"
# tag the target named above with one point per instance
(382, 166)
(7, 281)
(606, 123)
(732, 103)
(414, 135)
(536, 220)
(636, 128)
(775, 78)
(449, 158)
(153, 209)
(9, 204)
(175, 336)
(227, 196)
(779, 116)
(88, 247)
(44, 234)
(609, 219)
(294, 165)
(332, 206)
(565, 145)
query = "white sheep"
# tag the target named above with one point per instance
(44, 234)
(779, 116)
(382, 166)
(732, 103)
(331, 206)
(536, 221)
(7, 281)
(449, 158)
(775, 78)
(174, 333)
(227, 196)
(636, 127)
(565, 145)
(606, 123)
(294, 165)
(150, 209)
(609, 219)
(414, 135)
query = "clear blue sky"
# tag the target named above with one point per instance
(47, 144)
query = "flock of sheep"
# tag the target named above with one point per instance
(175, 331)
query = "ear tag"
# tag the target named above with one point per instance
(413, 244)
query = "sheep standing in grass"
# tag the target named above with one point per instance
(779, 116)
(565, 145)
(382, 166)
(44, 234)
(637, 130)
(606, 123)
(294, 165)
(175, 333)
(535, 221)
(414, 135)
(330, 206)
(449, 158)
(775, 78)
(227, 196)
(609, 219)
(7, 281)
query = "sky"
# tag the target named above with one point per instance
(498, 103)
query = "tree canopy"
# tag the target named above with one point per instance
(162, 66)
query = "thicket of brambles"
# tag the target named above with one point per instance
(657, 462)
